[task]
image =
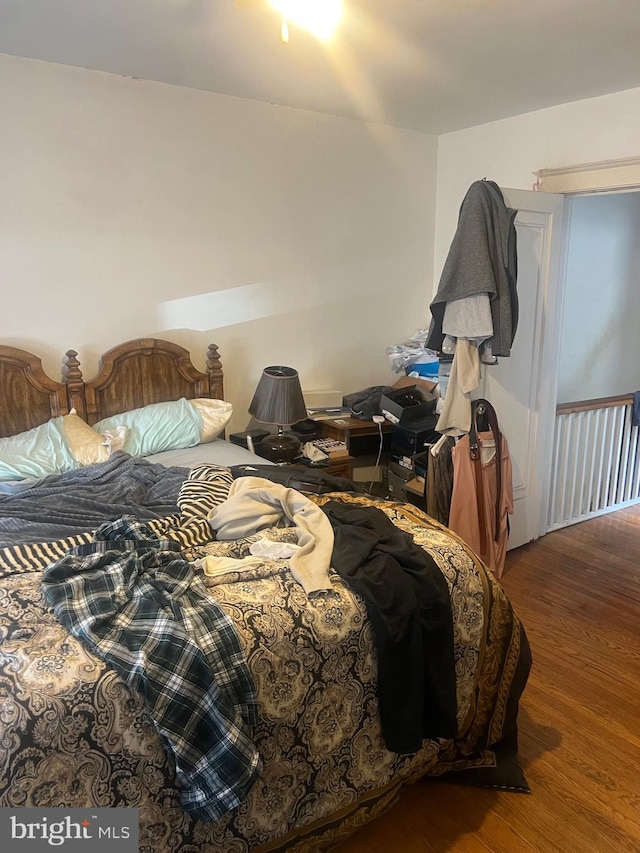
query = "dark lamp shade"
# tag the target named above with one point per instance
(278, 398)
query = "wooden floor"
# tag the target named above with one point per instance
(577, 591)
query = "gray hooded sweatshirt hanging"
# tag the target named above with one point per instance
(482, 259)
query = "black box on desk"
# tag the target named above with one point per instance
(409, 405)
(407, 441)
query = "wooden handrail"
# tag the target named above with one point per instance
(589, 405)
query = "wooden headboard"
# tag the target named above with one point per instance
(131, 375)
(28, 397)
(137, 373)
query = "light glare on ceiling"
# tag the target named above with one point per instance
(319, 17)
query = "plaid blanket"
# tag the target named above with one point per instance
(137, 604)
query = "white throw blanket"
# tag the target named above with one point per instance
(255, 503)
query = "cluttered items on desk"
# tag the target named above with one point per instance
(330, 447)
(406, 391)
(322, 451)
(412, 412)
(409, 405)
(405, 411)
(413, 356)
(328, 413)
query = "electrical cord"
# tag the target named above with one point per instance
(379, 420)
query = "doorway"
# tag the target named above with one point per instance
(596, 466)
(599, 340)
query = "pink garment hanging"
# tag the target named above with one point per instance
(464, 513)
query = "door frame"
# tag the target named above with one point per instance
(586, 179)
(532, 488)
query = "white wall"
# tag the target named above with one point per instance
(511, 150)
(600, 343)
(132, 209)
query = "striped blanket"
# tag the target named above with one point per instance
(41, 523)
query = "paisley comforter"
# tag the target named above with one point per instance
(73, 734)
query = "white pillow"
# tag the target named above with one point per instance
(215, 415)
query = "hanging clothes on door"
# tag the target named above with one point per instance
(440, 479)
(455, 416)
(480, 275)
(482, 496)
(475, 311)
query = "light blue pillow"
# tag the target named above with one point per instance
(36, 453)
(157, 427)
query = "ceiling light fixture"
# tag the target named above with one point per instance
(319, 17)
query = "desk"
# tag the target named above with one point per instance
(350, 429)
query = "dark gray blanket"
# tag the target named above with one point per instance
(81, 500)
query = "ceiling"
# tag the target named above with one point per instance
(428, 65)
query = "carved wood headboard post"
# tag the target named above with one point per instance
(72, 377)
(214, 370)
(130, 375)
(28, 397)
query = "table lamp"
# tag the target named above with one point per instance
(278, 401)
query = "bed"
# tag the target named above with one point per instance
(322, 743)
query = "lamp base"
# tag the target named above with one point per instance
(280, 448)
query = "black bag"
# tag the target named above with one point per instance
(366, 403)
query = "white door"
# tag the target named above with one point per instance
(522, 388)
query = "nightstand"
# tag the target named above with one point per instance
(363, 445)
(340, 466)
